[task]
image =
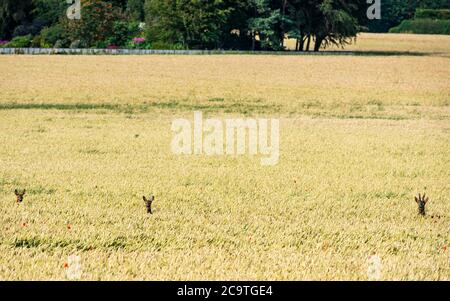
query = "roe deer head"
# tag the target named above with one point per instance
(148, 203)
(421, 202)
(19, 195)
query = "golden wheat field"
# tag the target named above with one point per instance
(360, 136)
(412, 44)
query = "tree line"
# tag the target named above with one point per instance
(194, 24)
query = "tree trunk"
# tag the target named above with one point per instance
(318, 43)
(301, 42)
(253, 41)
(308, 42)
(282, 23)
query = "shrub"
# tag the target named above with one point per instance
(20, 42)
(120, 35)
(45, 44)
(138, 40)
(21, 30)
(100, 45)
(59, 44)
(76, 44)
(29, 28)
(36, 42)
(443, 14)
(96, 24)
(423, 26)
(139, 43)
(49, 35)
(167, 46)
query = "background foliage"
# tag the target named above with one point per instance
(210, 24)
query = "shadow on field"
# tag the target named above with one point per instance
(213, 105)
(392, 53)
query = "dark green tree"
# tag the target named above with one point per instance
(204, 24)
(301, 14)
(337, 22)
(12, 14)
(49, 11)
(265, 25)
(96, 24)
(135, 10)
(235, 32)
(190, 23)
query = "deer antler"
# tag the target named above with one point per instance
(421, 199)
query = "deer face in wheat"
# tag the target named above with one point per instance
(421, 202)
(19, 195)
(148, 203)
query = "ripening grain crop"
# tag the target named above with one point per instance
(88, 136)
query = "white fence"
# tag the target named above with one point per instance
(154, 51)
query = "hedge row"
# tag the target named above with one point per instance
(423, 26)
(442, 14)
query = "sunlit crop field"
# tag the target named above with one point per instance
(414, 44)
(88, 136)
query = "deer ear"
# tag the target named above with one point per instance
(24, 192)
(426, 200)
(143, 197)
(417, 200)
(152, 198)
(16, 192)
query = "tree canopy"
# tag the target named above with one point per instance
(201, 24)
